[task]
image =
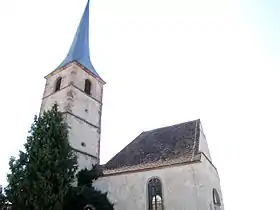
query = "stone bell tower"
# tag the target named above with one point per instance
(77, 88)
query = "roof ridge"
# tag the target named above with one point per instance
(192, 121)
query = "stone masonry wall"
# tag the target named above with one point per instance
(82, 111)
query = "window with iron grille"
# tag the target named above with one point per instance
(155, 194)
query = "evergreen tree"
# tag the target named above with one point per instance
(40, 178)
(85, 196)
(4, 204)
(2, 198)
(86, 177)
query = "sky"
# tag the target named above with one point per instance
(164, 62)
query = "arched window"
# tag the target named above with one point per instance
(89, 207)
(216, 198)
(58, 84)
(155, 194)
(87, 86)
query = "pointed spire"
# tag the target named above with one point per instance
(79, 50)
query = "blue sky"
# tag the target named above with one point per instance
(265, 16)
(164, 62)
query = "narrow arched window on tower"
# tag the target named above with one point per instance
(216, 198)
(58, 84)
(155, 194)
(87, 86)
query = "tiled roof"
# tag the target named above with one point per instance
(181, 140)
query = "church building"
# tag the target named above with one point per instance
(167, 168)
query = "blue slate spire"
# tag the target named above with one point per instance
(79, 50)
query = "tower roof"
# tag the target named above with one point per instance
(79, 50)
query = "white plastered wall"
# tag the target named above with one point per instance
(206, 179)
(185, 187)
(203, 145)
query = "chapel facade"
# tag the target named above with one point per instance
(168, 168)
